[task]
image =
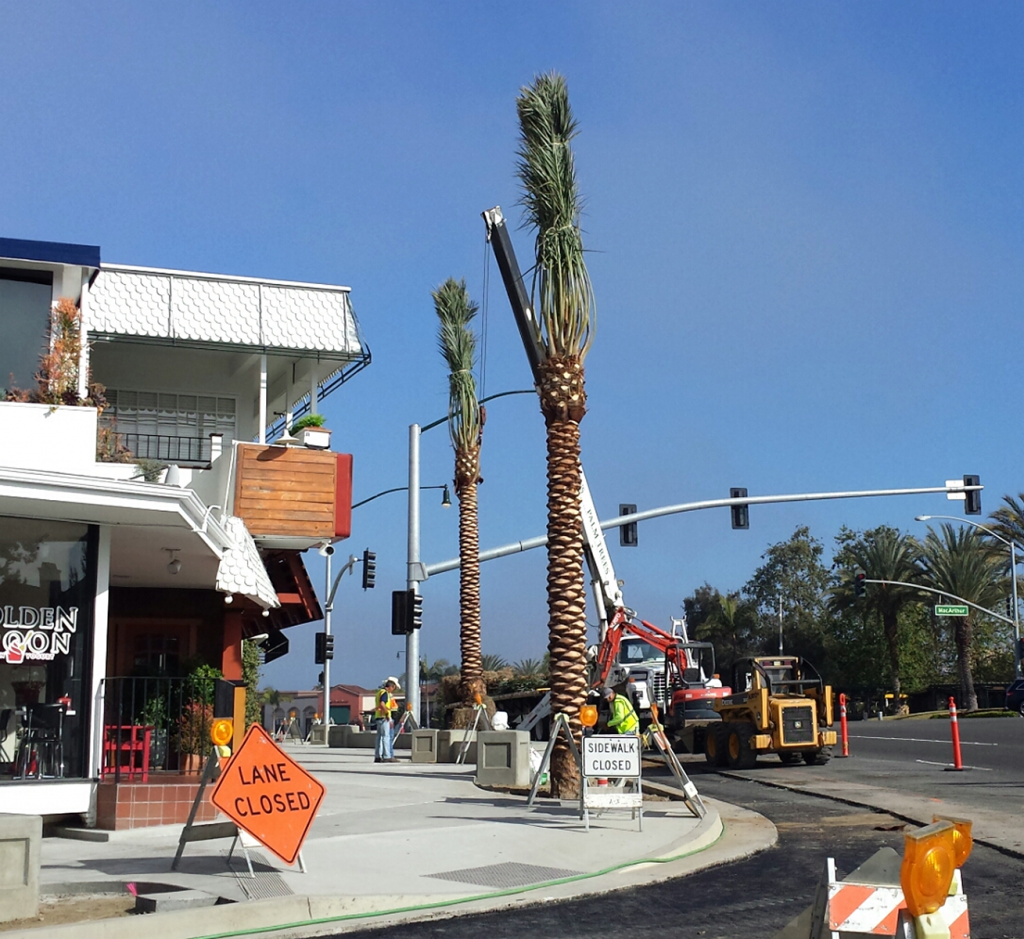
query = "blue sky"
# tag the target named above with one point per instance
(805, 224)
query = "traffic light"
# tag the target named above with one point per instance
(399, 612)
(972, 500)
(416, 610)
(740, 513)
(369, 569)
(628, 537)
(324, 650)
(858, 583)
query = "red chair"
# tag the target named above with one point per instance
(126, 750)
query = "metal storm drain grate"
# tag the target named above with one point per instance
(509, 874)
(267, 883)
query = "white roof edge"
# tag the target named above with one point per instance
(232, 278)
(187, 503)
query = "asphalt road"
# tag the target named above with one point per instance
(987, 744)
(754, 897)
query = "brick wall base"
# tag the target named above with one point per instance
(143, 804)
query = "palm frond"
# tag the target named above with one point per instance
(457, 343)
(563, 295)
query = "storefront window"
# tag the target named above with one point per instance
(47, 589)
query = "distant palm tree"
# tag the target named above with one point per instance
(465, 426)
(883, 554)
(564, 301)
(958, 563)
(1008, 520)
(528, 668)
(494, 663)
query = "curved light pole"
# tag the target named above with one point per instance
(416, 572)
(1013, 577)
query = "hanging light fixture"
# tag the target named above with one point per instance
(446, 498)
(174, 563)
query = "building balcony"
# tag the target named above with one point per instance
(288, 497)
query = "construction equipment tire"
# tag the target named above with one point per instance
(715, 743)
(818, 757)
(741, 753)
(788, 759)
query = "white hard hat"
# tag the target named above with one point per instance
(391, 680)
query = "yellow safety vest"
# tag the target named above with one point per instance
(623, 719)
(385, 704)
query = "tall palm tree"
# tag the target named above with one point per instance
(564, 302)
(883, 554)
(457, 342)
(958, 563)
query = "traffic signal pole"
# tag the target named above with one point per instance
(517, 546)
(326, 712)
(413, 573)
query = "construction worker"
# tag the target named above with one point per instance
(623, 719)
(384, 710)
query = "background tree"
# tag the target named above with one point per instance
(455, 311)
(793, 569)
(957, 562)
(729, 622)
(883, 554)
(564, 301)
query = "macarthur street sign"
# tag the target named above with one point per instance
(951, 609)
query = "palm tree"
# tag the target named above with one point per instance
(957, 562)
(528, 668)
(457, 342)
(883, 554)
(564, 301)
(494, 663)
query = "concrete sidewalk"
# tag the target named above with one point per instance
(396, 842)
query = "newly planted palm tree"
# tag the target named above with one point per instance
(883, 554)
(564, 303)
(457, 342)
(958, 563)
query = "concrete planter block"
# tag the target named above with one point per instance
(403, 741)
(362, 739)
(318, 734)
(20, 839)
(503, 758)
(424, 746)
(337, 735)
(449, 743)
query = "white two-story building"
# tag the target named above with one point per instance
(148, 520)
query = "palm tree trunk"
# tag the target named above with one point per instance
(962, 634)
(567, 624)
(472, 682)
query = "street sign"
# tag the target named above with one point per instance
(266, 793)
(951, 609)
(616, 755)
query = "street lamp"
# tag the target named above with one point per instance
(416, 572)
(1013, 577)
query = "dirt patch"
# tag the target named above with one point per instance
(57, 911)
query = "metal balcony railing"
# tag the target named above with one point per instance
(155, 724)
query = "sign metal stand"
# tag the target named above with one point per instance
(656, 735)
(481, 714)
(559, 725)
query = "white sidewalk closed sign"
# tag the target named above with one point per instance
(615, 755)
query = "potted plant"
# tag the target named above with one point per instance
(197, 716)
(311, 432)
(154, 715)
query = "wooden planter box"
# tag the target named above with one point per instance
(293, 492)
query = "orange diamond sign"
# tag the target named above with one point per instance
(266, 793)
